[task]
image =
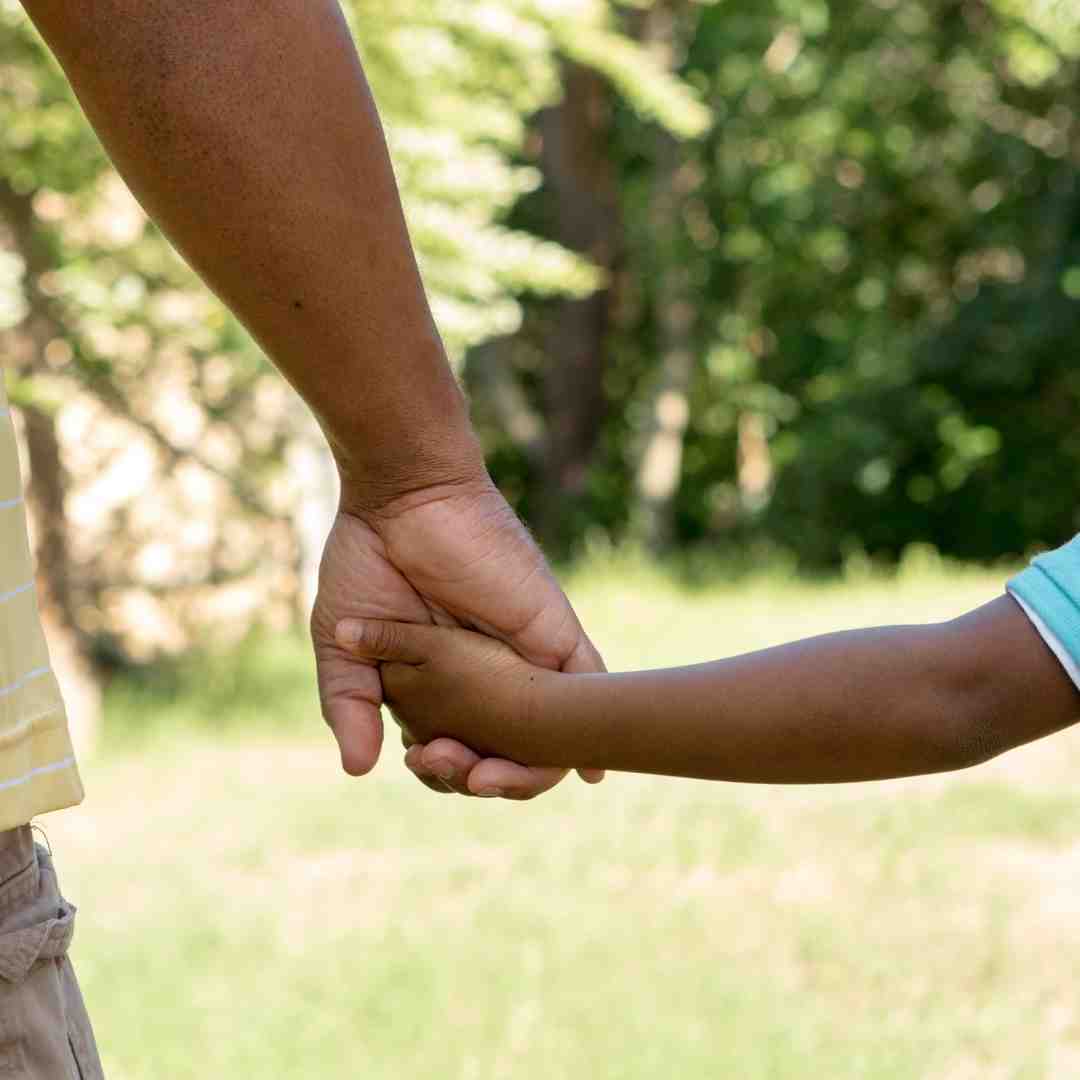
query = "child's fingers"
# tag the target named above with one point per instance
(379, 639)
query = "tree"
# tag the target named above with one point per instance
(845, 328)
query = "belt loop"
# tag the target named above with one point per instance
(48, 846)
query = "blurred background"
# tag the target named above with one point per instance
(768, 312)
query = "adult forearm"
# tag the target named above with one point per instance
(862, 705)
(248, 131)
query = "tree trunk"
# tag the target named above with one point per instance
(668, 410)
(581, 184)
(498, 398)
(49, 532)
(668, 394)
(46, 487)
(754, 465)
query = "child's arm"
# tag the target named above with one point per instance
(860, 705)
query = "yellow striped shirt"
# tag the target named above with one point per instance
(37, 766)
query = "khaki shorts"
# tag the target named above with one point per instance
(44, 1030)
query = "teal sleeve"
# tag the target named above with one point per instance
(1050, 586)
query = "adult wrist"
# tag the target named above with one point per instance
(382, 487)
(418, 441)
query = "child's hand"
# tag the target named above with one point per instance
(443, 682)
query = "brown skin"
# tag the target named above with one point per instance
(860, 705)
(247, 130)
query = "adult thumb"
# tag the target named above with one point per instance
(381, 639)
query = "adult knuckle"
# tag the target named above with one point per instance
(383, 637)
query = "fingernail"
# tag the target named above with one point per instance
(443, 770)
(348, 633)
(490, 793)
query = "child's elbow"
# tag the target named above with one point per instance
(995, 688)
(966, 713)
(958, 734)
(977, 740)
(952, 732)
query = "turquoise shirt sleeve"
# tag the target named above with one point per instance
(1050, 586)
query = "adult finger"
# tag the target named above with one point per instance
(349, 694)
(506, 779)
(466, 773)
(444, 761)
(413, 764)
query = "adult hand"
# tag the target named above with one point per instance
(453, 555)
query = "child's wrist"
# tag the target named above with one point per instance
(553, 721)
(528, 724)
(537, 701)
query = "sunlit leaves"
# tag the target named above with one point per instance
(457, 81)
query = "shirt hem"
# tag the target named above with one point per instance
(39, 774)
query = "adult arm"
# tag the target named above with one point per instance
(247, 130)
(860, 705)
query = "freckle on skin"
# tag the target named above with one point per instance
(298, 305)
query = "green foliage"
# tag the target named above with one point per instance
(898, 206)
(457, 83)
(880, 233)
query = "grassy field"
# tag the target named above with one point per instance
(246, 911)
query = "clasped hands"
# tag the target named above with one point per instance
(450, 555)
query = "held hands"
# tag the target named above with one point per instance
(454, 555)
(446, 682)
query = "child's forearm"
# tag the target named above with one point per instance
(861, 705)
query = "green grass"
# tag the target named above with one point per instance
(247, 911)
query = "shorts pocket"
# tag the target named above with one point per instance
(21, 949)
(45, 1033)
